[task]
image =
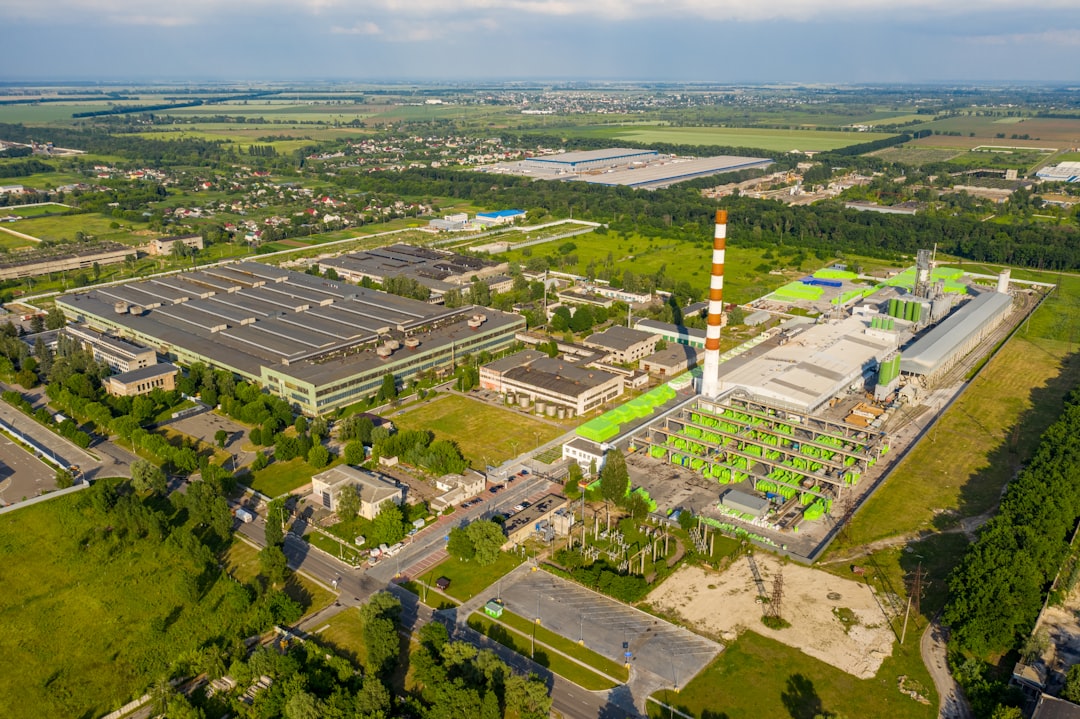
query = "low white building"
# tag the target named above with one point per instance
(456, 488)
(374, 489)
(585, 452)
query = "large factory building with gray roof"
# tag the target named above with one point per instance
(318, 343)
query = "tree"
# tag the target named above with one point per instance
(1072, 685)
(300, 425)
(272, 564)
(487, 539)
(389, 524)
(147, 476)
(582, 321)
(356, 427)
(354, 453)
(318, 456)
(348, 503)
(221, 437)
(528, 697)
(55, 319)
(614, 477)
(303, 705)
(259, 462)
(63, 478)
(275, 519)
(388, 390)
(572, 488)
(460, 545)
(381, 642)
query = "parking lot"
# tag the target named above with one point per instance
(606, 626)
(22, 475)
(204, 426)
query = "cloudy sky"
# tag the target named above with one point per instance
(829, 41)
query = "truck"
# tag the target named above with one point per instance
(245, 515)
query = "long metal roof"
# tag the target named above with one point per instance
(928, 353)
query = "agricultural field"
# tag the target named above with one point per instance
(746, 273)
(486, 434)
(759, 138)
(918, 155)
(1043, 132)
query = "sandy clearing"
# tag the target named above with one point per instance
(725, 603)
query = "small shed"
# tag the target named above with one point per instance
(745, 503)
(493, 608)
(757, 318)
(443, 583)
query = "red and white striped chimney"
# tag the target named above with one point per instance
(710, 378)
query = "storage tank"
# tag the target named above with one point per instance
(1003, 282)
(550, 410)
(540, 405)
(523, 401)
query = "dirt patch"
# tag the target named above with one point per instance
(832, 619)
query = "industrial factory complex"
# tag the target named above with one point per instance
(643, 169)
(318, 343)
(798, 424)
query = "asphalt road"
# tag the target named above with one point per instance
(355, 586)
(22, 475)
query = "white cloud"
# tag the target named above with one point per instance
(1060, 38)
(360, 28)
(384, 11)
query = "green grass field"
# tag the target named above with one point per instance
(242, 562)
(88, 620)
(759, 677)
(10, 242)
(344, 633)
(467, 579)
(758, 138)
(486, 434)
(746, 272)
(64, 227)
(282, 477)
(47, 208)
(522, 644)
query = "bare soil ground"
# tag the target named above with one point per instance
(835, 620)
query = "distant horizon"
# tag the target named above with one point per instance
(805, 42)
(466, 83)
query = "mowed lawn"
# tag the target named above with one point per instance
(467, 579)
(775, 140)
(483, 432)
(758, 677)
(959, 468)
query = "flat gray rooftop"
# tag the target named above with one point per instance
(669, 172)
(934, 348)
(611, 153)
(270, 316)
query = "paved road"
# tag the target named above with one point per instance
(355, 586)
(952, 702)
(22, 475)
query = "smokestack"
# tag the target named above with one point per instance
(710, 378)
